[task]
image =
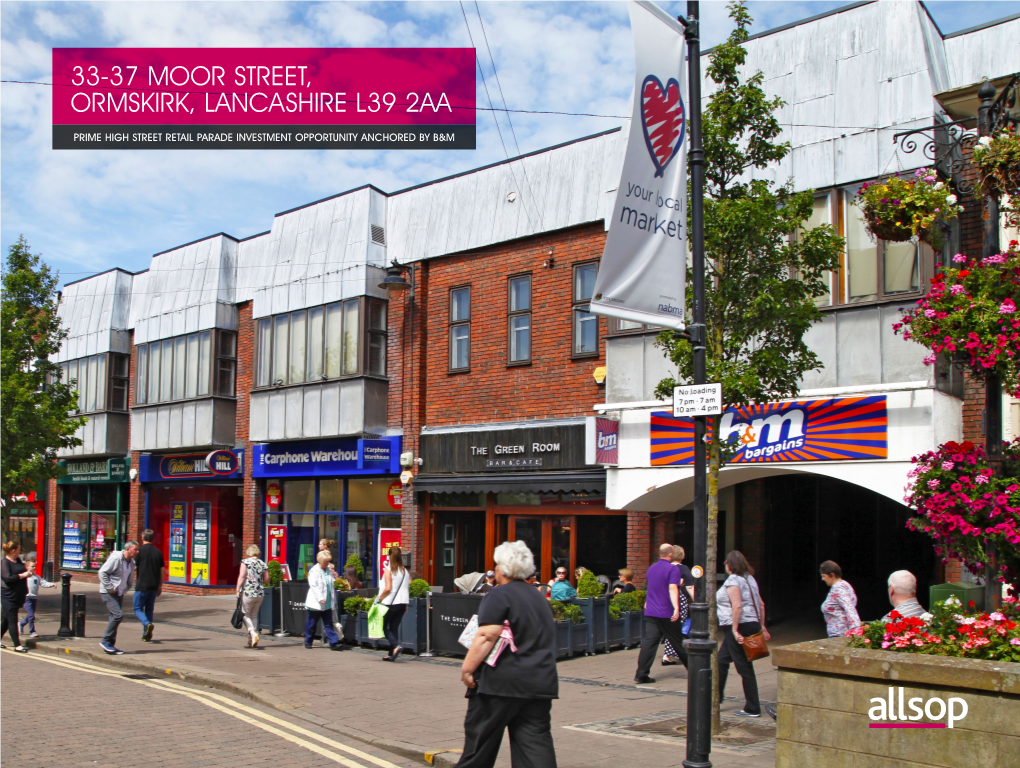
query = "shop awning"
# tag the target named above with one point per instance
(580, 481)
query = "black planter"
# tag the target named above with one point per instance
(350, 625)
(596, 617)
(269, 611)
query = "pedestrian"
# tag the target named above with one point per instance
(741, 613)
(15, 577)
(327, 545)
(254, 573)
(319, 603)
(902, 586)
(840, 605)
(560, 588)
(626, 582)
(34, 582)
(351, 574)
(517, 692)
(115, 579)
(150, 573)
(670, 657)
(662, 613)
(395, 595)
(484, 586)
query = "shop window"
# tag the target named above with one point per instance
(322, 343)
(100, 380)
(369, 495)
(463, 499)
(519, 319)
(331, 495)
(90, 524)
(460, 328)
(526, 499)
(299, 495)
(585, 325)
(181, 368)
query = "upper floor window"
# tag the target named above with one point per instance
(101, 381)
(460, 328)
(324, 342)
(519, 320)
(185, 367)
(585, 324)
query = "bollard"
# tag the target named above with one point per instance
(79, 615)
(65, 606)
(47, 570)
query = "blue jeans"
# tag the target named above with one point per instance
(29, 620)
(144, 603)
(312, 619)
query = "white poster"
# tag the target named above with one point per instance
(641, 276)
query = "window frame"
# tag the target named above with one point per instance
(582, 305)
(149, 373)
(454, 325)
(514, 313)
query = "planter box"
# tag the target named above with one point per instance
(634, 631)
(269, 611)
(564, 638)
(824, 717)
(410, 635)
(616, 631)
(350, 625)
(596, 618)
(579, 638)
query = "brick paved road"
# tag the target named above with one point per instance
(59, 716)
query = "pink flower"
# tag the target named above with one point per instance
(957, 289)
(930, 313)
(1007, 307)
(960, 258)
(933, 484)
(947, 465)
(1015, 641)
(981, 479)
(996, 616)
(886, 643)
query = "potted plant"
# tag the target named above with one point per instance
(595, 609)
(571, 629)
(269, 612)
(355, 607)
(412, 625)
(628, 607)
(901, 208)
(998, 162)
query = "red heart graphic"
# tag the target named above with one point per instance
(662, 118)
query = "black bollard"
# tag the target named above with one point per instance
(79, 616)
(65, 606)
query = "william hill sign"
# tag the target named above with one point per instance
(226, 464)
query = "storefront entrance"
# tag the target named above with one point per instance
(94, 512)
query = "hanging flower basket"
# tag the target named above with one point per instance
(998, 162)
(900, 208)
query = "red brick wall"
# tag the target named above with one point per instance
(251, 525)
(639, 537)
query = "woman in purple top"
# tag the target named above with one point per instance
(840, 605)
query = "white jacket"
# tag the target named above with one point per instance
(320, 587)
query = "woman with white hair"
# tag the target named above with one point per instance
(517, 692)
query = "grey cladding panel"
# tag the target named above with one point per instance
(821, 339)
(901, 360)
(858, 347)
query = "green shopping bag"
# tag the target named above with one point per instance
(375, 621)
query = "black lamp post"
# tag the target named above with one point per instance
(700, 645)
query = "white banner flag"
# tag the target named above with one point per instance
(641, 276)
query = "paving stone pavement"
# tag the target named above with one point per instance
(411, 706)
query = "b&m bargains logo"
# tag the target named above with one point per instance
(892, 714)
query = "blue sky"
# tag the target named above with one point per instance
(87, 211)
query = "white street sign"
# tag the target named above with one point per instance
(697, 400)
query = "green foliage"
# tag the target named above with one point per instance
(36, 415)
(341, 585)
(900, 208)
(949, 630)
(356, 562)
(614, 611)
(418, 588)
(628, 601)
(998, 161)
(354, 604)
(275, 573)
(566, 611)
(588, 585)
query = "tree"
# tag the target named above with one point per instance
(764, 272)
(36, 419)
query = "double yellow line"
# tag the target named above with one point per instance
(295, 734)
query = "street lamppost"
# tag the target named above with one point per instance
(700, 645)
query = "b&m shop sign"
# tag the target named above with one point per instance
(835, 429)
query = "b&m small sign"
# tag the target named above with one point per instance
(835, 429)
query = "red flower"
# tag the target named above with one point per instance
(963, 273)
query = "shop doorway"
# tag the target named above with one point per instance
(458, 546)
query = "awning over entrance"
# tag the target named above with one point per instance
(579, 481)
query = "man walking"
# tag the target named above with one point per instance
(115, 578)
(662, 613)
(151, 573)
(902, 587)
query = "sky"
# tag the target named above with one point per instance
(87, 211)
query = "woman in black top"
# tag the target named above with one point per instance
(13, 593)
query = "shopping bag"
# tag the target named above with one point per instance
(505, 639)
(375, 621)
(467, 637)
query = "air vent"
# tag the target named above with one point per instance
(378, 235)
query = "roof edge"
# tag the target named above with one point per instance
(97, 274)
(979, 27)
(201, 239)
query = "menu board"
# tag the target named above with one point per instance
(178, 542)
(200, 516)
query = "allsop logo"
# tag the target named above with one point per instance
(886, 714)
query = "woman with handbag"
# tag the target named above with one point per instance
(254, 573)
(395, 596)
(742, 622)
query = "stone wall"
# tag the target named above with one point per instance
(825, 696)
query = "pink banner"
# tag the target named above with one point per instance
(264, 86)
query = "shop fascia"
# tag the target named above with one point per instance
(327, 458)
(215, 465)
(98, 471)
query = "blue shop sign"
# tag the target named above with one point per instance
(191, 466)
(327, 458)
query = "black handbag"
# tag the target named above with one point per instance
(237, 620)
